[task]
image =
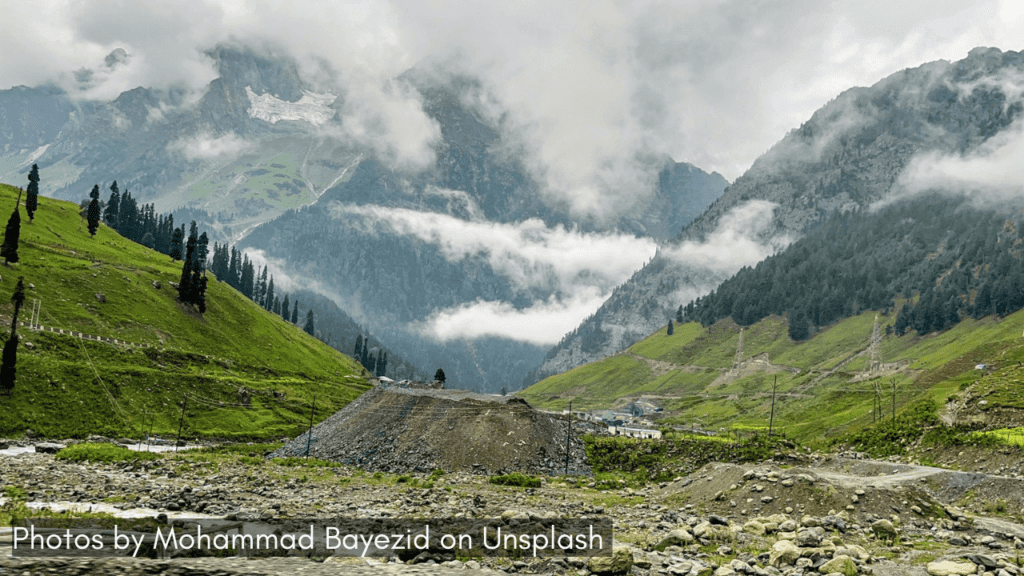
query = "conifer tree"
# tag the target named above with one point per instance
(9, 364)
(93, 214)
(277, 306)
(201, 300)
(202, 252)
(176, 241)
(670, 329)
(9, 250)
(359, 347)
(248, 277)
(110, 214)
(439, 375)
(295, 313)
(284, 308)
(270, 295)
(233, 269)
(309, 328)
(185, 290)
(32, 197)
(679, 314)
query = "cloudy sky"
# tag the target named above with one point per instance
(591, 91)
(592, 84)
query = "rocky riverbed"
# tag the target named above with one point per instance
(826, 517)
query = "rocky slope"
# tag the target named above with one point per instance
(848, 155)
(755, 519)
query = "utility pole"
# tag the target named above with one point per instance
(149, 437)
(309, 433)
(181, 421)
(568, 429)
(771, 419)
(894, 400)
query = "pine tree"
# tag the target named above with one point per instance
(9, 250)
(670, 330)
(9, 365)
(269, 298)
(679, 314)
(201, 300)
(284, 308)
(277, 306)
(309, 328)
(358, 353)
(202, 252)
(113, 207)
(439, 375)
(233, 269)
(32, 197)
(176, 240)
(295, 313)
(93, 214)
(382, 363)
(248, 276)
(185, 290)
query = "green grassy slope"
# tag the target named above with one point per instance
(821, 391)
(72, 387)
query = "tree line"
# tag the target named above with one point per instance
(960, 261)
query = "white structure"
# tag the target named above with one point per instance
(644, 433)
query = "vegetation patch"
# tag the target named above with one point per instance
(103, 453)
(516, 479)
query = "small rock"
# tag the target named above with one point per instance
(950, 568)
(839, 564)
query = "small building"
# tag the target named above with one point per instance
(643, 433)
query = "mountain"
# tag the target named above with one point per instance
(396, 250)
(246, 373)
(721, 377)
(262, 145)
(849, 155)
(244, 150)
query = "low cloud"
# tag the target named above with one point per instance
(992, 174)
(275, 267)
(737, 242)
(542, 324)
(208, 147)
(529, 253)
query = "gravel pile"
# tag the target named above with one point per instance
(395, 430)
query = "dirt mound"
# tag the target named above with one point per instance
(396, 430)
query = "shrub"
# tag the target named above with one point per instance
(516, 479)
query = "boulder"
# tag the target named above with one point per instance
(951, 568)
(754, 527)
(48, 448)
(620, 561)
(840, 564)
(884, 530)
(677, 537)
(783, 553)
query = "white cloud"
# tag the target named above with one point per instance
(275, 267)
(207, 147)
(991, 174)
(735, 243)
(543, 324)
(529, 253)
(596, 93)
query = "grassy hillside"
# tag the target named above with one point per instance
(230, 360)
(822, 390)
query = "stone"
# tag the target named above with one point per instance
(783, 553)
(754, 527)
(677, 537)
(619, 562)
(884, 530)
(951, 568)
(48, 448)
(717, 520)
(840, 564)
(853, 551)
(809, 537)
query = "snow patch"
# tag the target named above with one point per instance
(312, 107)
(35, 155)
